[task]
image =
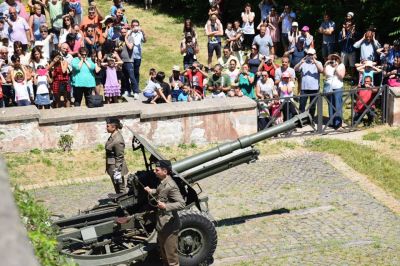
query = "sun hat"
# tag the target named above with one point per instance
(176, 68)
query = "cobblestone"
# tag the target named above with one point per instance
(292, 210)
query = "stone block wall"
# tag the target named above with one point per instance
(394, 106)
(211, 120)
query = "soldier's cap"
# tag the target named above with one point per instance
(166, 164)
(113, 120)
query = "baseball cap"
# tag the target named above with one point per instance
(295, 24)
(305, 28)
(286, 75)
(311, 51)
(350, 14)
(176, 68)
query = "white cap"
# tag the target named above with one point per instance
(106, 18)
(311, 51)
(350, 14)
(369, 63)
(176, 68)
(295, 24)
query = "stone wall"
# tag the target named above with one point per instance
(211, 120)
(394, 106)
(15, 249)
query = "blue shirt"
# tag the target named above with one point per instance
(328, 38)
(346, 44)
(310, 76)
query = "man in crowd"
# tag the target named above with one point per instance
(327, 29)
(214, 32)
(310, 69)
(284, 68)
(219, 84)
(169, 202)
(132, 58)
(264, 42)
(19, 29)
(195, 76)
(347, 50)
(368, 46)
(287, 18)
(227, 57)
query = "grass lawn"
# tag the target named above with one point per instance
(381, 169)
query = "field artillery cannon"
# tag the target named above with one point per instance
(121, 230)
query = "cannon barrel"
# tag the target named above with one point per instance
(299, 120)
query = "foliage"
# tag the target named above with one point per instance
(65, 142)
(382, 170)
(309, 12)
(42, 236)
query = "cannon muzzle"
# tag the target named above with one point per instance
(241, 143)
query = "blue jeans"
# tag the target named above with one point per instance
(131, 84)
(23, 102)
(336, 101)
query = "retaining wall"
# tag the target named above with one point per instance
(211, 120)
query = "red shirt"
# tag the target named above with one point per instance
(196, 79)
(270, 69)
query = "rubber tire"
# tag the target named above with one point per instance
(199, 221)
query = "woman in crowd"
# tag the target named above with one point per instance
(35, 21)
(265, 87)
(334, 72)
(37, 59)
(236, 42)
(83, 78)
(68, 27)
(90, 39)
(248, 26)
(254, 59)
(19, 51)
(61, 86)
(273, 19)
(189, 28)
(246, 82)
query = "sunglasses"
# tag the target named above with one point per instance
(43, 31)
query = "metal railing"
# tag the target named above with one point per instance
(374, 108)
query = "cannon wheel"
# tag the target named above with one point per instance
(197, 238)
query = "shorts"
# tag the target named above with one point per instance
(149, 95)
(42, 99)
(214, 47)
(348, 59)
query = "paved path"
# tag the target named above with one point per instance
(292, 210)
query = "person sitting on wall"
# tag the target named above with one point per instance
(153, 91)
(219, 84)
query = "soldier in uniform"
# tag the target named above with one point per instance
(169, 201)
(115, 147)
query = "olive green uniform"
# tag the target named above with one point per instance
(115, 161)
(168, 223)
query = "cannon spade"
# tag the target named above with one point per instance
(121, 230)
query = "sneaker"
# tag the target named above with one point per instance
(126, 94)
(136, 96)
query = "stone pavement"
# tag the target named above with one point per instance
(282, 210)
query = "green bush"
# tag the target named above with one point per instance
(65, 142)
(40, 232)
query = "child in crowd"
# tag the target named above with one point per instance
(229, 33)
(184, 95)
(112, 88)
(42, 80)
(23, 95)
(153, 90)
(383, 54)
(276, 112)
(367, 69)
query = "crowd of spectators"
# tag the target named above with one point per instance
(80, 55)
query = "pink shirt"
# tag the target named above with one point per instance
(19, 29)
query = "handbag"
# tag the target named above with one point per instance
(94, 101)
